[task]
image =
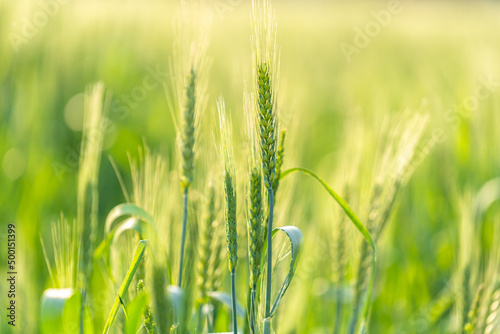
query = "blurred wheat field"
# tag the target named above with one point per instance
(435, 58)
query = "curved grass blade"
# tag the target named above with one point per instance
(138, 255)
(487, 196)
(347, 209)
(126, 209)
(225, 299)
(130, 224)
(296, 238)
(140, 222)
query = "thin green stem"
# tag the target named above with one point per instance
(364, 323)
(209, 320)
(233, 298)
(214, 317)
(267, 328)
(354, 319)
(82, 311)
(338, 317)
(199, 318)
(248, 314)
(183, 238)
(252, 310)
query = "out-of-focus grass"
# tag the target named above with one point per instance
(431, 57)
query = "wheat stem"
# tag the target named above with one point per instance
(342, 265)
(233, 298)
(183, 236)
(267, 327)
(252, 309)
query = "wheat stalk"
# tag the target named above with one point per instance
(341, 254)
(87, 199)
(187, 96)
(364, 266)
(226, 151)
(266, 78)
(205, 249)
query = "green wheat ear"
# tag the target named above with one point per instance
(187, 132)
(148, 319)
(280, 157)
(255, 236)
(226, 154)
(266, 124)
(206, 241)
(215, 269)
(230, 219)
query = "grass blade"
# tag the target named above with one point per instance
(296, 238)
(139, 253)
(126, 209)
(347, 209)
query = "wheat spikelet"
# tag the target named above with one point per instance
(147, 318)
(280, 157)
(205, 249)
(230, 219)
(492, 318)
(266, 79)
(266, 125)
(255, 235)
(215, 269)
(226, 153)
(254, 203)
(473, 313)
(187, 132)
(187, 92)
